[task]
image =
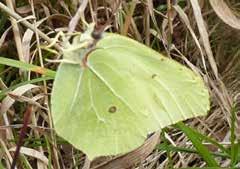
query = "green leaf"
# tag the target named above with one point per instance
(121, 92)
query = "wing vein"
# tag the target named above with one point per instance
(169, 92)
(111, 89)
(77, 91)
(118, 96)
(92, 101)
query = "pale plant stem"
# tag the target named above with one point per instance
(44, 84)
(46, 101)
(79, 14)
(147, 26)
(16, 32)
(128, 18)
(7, 153)
(27, 24)
(169, 6)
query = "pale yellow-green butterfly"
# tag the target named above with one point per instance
(113, 91)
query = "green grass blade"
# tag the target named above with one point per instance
(5, 91)
(197, 142)
(24, 162)
(165, 141)
(234, 147)
(49, 152)
(166, 147)
(1, 166)
(207, 168)
(26, 66)
(213, 141)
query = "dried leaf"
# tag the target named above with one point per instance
(4, 35)
(26, 42)
(8, 101)
(225, 13)
(33, 153)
